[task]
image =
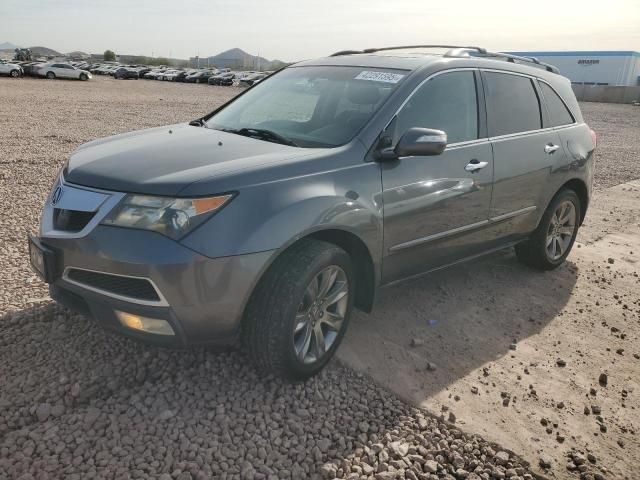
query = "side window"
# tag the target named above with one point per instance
(558, 112)
(512, 104)
(446, 102)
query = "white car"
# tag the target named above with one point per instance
(11, 69)
(168, 75)
(62, 70)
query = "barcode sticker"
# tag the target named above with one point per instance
(385, 77)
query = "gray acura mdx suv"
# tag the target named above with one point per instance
(269, 219)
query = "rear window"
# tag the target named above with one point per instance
(512, 104)
(558, 112)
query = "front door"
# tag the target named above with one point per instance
(436, 208)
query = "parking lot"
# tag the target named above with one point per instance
(77, 402)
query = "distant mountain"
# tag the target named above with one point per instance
(238, 58)
(8, 46)
(47, 52)
(77, 53)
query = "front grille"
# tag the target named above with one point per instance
(136, 288)
(71, 220)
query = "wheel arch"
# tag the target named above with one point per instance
(364, 266)
(581, 190)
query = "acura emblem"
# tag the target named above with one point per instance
(57, 195)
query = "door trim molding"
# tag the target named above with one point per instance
(456, 262)
(515, 213)
(437, 236)
(464, 228)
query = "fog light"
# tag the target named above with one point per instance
(145, 324)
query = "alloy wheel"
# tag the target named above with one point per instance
(561, 230)
(321, 314)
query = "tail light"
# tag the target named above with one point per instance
(594, 138)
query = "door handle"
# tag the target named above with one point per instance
(474, 165)
(549, 148)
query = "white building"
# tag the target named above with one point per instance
(594, 67)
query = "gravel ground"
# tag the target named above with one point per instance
(77, 402)
(618, 130)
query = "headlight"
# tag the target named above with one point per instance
(173, 217)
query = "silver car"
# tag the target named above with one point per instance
(11, 69)
(62, 70)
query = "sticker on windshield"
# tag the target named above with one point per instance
(385, 77)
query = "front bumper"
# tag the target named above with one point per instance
(202, 298)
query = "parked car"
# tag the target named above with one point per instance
(30, 68)
(270, 224)
(151, 75)
(199, 77)
(10, 69)
(213, 79)
(142, 71)
(225, 78)
(62, 70)
(180, 77)
(170, 75)
(104, 69)
(249, 80)
(124, 73)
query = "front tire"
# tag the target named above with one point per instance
(551, 242)
(83, 77)
(300, 310)
(51, 75)
(14, 73)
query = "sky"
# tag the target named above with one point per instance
(293, 30)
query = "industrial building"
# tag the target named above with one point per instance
(594, 67)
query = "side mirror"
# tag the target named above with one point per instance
(416, 142)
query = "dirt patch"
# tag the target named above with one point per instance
(519, 356)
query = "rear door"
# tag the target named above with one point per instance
(436, 210)
(59, 70)
(526, 153)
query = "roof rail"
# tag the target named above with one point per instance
(517, 58)
(345, 52)
(467, 52)
(403, 47)
(456, 51)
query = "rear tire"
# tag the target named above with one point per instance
(51, 75)
(300, 310)
(550, 244)
(14, 73)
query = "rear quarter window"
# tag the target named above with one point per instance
(512, 104)
(558, 112)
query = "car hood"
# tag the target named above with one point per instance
(166, 160)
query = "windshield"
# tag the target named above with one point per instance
(312, 107)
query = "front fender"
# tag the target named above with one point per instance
(273, 215)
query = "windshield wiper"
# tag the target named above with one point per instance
(263, 134)
(198, 122)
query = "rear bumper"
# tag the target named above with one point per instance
(202, 298)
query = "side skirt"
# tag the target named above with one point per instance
(462, 260)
